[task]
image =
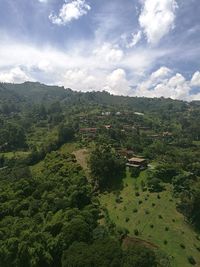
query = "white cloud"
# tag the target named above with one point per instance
(157, 18)
(94, 67)
(117, 83)
(70, 11)
(14, 75)
(79, 79)
(43, 1)
(196, 79)
(135, 39)
(108, 53)
(161, 73)
(164, 83)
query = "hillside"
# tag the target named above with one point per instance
(92, 179)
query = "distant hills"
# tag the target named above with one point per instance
(36, 93)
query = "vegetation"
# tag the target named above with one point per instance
(69, 197)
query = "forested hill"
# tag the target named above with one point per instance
(97, 180)
(36, 93)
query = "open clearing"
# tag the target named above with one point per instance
(156, 219)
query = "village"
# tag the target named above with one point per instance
(127, 125)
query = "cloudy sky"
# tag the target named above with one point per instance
(128, 47)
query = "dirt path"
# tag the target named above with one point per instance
(82, 158)
(128, 241)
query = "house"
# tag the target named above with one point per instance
(167, 134)
(139, 113)
(137, 162)
(126, 153)
(108, 127)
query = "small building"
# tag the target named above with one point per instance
(126, 153)
(167, 134)
(137, 162)
(108, 127)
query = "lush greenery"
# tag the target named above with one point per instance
(55, 210)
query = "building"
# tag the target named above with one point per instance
(125, 153)
(137, 162)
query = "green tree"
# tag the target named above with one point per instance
(107, 168)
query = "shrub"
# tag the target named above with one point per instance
(135, 210)
(147, 212)
(146, 199)
(140, 202)
(136, 232)
(151, 225)
(127, 219)
(137, 194)
(158, 197)
(198, 248)
(165, 242)
(182, 246)
(160, 216)
(153, 204)
(166, 228)
(198, 237)
(191, 260)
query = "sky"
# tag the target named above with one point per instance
(127, 47)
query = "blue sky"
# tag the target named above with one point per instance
(128, 47)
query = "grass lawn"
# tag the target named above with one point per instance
(16, 154)
(157, 220)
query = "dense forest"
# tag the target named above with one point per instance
(97, 180)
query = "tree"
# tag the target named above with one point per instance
(65, 134)
(140, 256)
(107, 168)
(102, 253)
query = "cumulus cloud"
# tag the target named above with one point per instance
(79, 79)
(117, 83)
(70, 11)
(195, 81)
(103, 67)
(161, 73)
(14, 75)
(108, 53)
(157, 18)
(164, 83)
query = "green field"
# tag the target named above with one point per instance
(159, 223)
(15, 155)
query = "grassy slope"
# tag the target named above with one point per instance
(179, 232)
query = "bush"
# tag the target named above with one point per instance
(151, 225)
(147, 212)
(137, 194)
(136, 232)
(165, 242)
(153, 204)
(158, 196)
(140, 202)
(135, 210)
(191, 260)
(182, 246)
(160, 216)
(127, 219)
(166, 229)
